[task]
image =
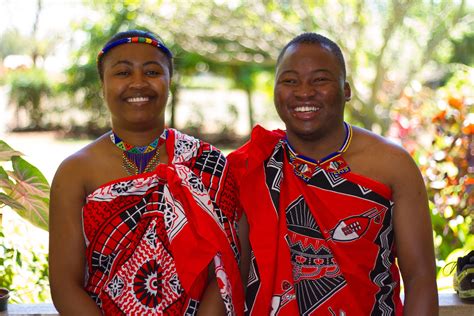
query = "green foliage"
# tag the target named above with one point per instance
(27, 88)
(82, 83)
(437, 127)
(240, 39)
(23, 264)
(13, 43)
(23, 188)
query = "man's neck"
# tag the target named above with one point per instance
(318, 147)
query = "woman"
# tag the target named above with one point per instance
(138, 216)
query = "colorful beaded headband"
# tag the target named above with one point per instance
(137, 39)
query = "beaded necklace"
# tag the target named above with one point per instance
(305, 167)
(139, 159)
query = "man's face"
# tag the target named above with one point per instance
(310, 91)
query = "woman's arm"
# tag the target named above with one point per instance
(66, 242)
(211, 301)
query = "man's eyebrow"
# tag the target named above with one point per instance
(291, 71)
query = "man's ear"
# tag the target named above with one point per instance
(347, 91)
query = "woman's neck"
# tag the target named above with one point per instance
(141, 137)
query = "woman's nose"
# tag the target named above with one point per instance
(138, 81)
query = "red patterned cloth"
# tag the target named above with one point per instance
(321, 236)
(151, 237)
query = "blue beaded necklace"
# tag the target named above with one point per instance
(139, 159)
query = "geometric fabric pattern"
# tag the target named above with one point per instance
(327, 243)
(134, 229)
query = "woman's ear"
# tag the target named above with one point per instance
(347, 91)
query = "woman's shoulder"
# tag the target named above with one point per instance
(88, 153)
(82, 162)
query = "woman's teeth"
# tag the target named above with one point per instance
(138, 99)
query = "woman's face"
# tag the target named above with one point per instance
(136, 86)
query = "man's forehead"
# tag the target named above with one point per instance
(322, 52)
(316, 46)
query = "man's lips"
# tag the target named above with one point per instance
(305, 112)
(306, 108)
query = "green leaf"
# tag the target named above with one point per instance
(6, 152)
(11, 202)
(27, 173)
(6, 185)
(31, 191)
(36, 211)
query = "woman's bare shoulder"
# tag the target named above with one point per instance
(84, 159)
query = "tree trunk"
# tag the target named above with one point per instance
(248, 92)
(174, 104)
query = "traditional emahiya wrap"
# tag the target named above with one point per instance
(151, 237)
(322, 237)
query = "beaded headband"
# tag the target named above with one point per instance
(137, 39)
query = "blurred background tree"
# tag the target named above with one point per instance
(29, 84)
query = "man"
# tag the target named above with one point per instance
(333, 210)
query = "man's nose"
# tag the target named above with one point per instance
(304, 91)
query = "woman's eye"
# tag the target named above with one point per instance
(122, 73)
(289, 81)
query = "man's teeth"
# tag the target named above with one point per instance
(138, 99)
(306, 109)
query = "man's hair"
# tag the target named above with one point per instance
(318, 39)
(135, 33)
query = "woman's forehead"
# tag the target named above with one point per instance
(135, 50)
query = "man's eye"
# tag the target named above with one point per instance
(289, 81)
(319, 79)
(152, 73)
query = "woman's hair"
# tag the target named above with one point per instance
(134, 36)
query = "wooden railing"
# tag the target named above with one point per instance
(449, 305)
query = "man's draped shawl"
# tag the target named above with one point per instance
(321, 237)
(151, 237)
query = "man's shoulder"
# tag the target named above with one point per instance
(378, 157)
(261, 142)
(369, 143)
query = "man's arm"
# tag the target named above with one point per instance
(245, 252)
(413, 236)
(66, 243)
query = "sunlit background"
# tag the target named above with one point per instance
(409, 64)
